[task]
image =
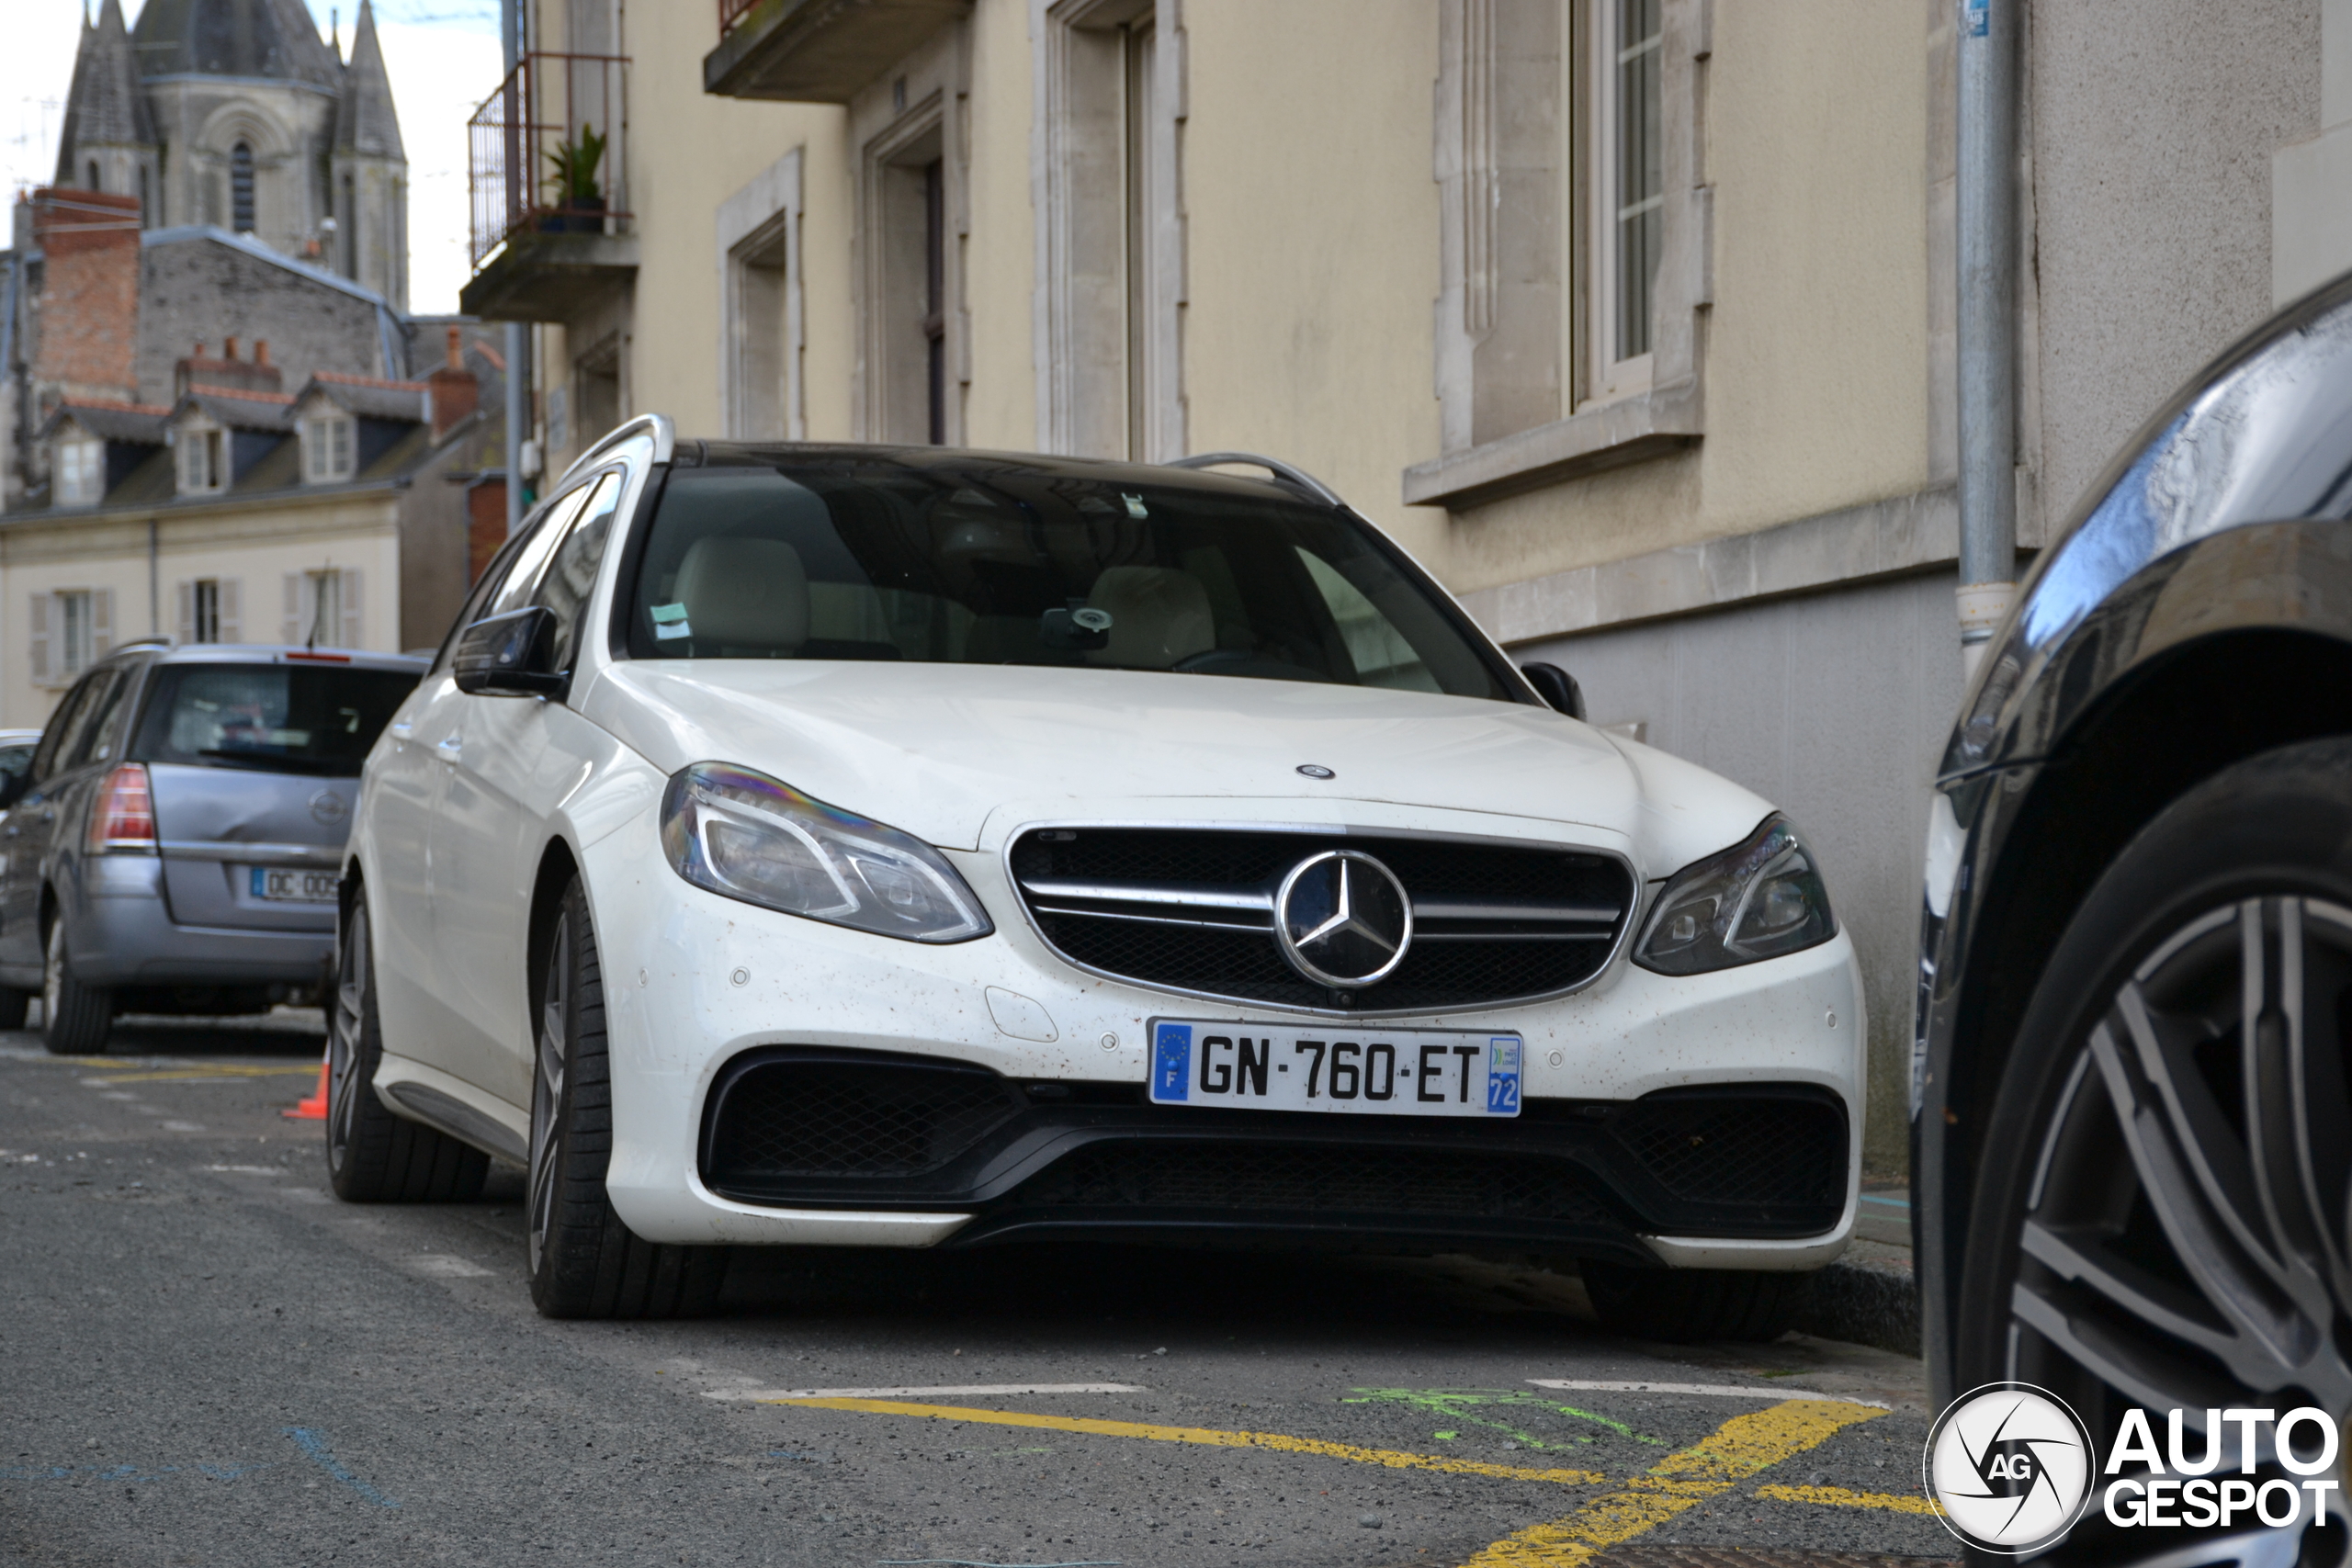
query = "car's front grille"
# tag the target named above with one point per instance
(834, 1117)
(1192, 909)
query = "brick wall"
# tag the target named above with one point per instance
(87, 307)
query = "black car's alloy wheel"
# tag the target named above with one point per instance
(374, 1156)
(584, 1261)
(2164, 1206)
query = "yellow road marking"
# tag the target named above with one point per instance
(1738, 1448)
(1838, 1497)
(1204, 1435)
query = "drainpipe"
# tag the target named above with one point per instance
(518, 334)
(1987, 323)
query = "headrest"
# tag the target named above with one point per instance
(1160, 616)
(744, 596)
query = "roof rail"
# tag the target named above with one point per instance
(658, 425)
(1273, 466)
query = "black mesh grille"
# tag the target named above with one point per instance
(833, 1118)
(1320, 1180)
(1749, 1152)
(1437, 974)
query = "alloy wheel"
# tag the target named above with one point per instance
(2185, 1240)
(546, 1086)
(343, 1037)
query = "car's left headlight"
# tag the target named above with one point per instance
(758, 839)
(1758, 900)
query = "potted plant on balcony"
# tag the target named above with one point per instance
(579, 199)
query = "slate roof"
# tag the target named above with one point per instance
(368, 398)
(234, 37)
(240, 411)
(141, 423)
(104, 105)
(364, 120)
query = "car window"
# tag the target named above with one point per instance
(571, 569)
(16, 765)
(276, 717)
(477, 603)
(826, 557)
(70, 723)
(102, 739)
(523, 576)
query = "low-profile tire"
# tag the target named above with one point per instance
(1682, 1306)
(14, 1006)
(584, 1262)
(75, 1018)
(374, 1156)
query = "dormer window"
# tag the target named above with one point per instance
(203, 459)
(326, 448)
(79, 466)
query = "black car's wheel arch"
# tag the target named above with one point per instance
(559, 868)
(2155, 728)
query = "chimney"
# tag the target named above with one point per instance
(228, 373)
(88, 330)
(229, 349)
(261, 351)
(454, 392)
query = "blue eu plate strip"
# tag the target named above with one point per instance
(1171, 1062)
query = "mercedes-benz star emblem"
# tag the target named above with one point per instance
(1343, 919)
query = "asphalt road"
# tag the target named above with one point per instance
(205, 1359)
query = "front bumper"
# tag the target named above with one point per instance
(694, 983)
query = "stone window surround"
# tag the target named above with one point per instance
(759, 221)
(1073, 367)
(923, 96)
(1475, 293)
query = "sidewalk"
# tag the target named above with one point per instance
(1868, 1296)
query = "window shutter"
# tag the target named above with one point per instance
(292, 631)
(352, 623)
(184, 602)
(101, 623)
(40, 640)
(232, 621)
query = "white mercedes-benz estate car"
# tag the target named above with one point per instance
(833, 846)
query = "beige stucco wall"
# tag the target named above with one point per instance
(255, 544)
(1815, 142)
(1000, 253)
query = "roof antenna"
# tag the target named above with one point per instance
(318, 606)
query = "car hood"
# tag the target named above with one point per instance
(937, 749)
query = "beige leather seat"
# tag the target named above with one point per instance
(1160, 616)
(745, 598)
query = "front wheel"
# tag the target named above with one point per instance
(75, 1018)
(584, 1261)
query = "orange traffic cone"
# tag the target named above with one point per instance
(313, 1108)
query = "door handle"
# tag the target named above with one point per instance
(450, 746)
(403, 730)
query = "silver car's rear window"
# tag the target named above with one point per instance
(851, 560)
(283, 718)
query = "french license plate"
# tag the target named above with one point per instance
(293, 886)
(1396, 1072)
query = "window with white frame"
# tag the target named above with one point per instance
(209, 611)
(73, 633)
(79, 467)
(203, 458)
(760, 331)
(204, 611)
(323, 607)
(326, 448)
(1627, 180)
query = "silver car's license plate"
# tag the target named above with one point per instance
(1341, 1068)
(293, 886)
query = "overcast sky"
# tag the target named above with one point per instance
(443, 58)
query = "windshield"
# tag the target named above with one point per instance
(868, 560)
(283, 718)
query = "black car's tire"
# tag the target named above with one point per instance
(75, 1018)
(1682, 1306)
(2172, 1125)
(584, 1262)
(374, 1156)
(14, 1006)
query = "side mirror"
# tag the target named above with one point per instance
(1555, 686)
(511, 655)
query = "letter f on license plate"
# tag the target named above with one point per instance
(1408, 1072)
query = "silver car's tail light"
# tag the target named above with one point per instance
(123, 818)
(751, 836)
(1758, 900)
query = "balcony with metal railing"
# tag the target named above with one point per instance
(819, 52)
(547, 171)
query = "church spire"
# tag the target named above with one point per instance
(364, 121)
(105, 107)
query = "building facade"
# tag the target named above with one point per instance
(1633, 319)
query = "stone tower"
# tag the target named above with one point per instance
(236, 114)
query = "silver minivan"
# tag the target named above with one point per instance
(175, 845)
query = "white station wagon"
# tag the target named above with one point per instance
(852, 846)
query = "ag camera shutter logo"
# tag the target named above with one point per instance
(2011, 1467)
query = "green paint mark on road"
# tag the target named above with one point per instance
(1458, 1404)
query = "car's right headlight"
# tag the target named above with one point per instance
(758, 839)
(1758, 900)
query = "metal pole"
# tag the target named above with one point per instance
(1987, 201)
(518, 334)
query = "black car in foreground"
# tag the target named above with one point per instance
(2132, 1083)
